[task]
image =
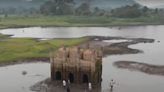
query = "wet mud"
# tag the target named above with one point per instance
(25, 61)
(48, 85)
(115, 48)
(142, 67)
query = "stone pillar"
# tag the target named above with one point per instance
(74, 45)
(93, 58)
(87, 46)
(64, 63)
(93, 70)
(52, 62)
(101, 51)
(78, 66)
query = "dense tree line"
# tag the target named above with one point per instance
(57, 7)
(128, 11)
(68, 7)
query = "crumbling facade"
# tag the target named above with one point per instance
(76, 65)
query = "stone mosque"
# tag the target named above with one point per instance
(76, 65)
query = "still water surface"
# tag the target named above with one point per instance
(12, 80)
(127, 81)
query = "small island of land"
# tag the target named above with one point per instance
(142, 67)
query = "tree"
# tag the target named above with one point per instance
(136, 6)
(60, 7)
(156, 11)
(128, 12)
(112, 11)
(145, 9)
(83, 9)
(32, 10)
(96, 9)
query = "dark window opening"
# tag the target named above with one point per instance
(71, 77)
(58, 75)
(85, 78)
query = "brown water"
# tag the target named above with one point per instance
(12, 80)
(126, 80)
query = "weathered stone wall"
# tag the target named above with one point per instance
(77, 63)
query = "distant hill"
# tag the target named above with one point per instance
(102, 4)
(161, 6)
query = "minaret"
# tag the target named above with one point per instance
(100, 54)
(74, 45)
(78, 65)
(93, 67)
(52, 62)
(93, 57)
(64, 62)
(64, 53)
(87, 46)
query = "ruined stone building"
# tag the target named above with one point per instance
(76, 65)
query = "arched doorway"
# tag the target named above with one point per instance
(85, 78)
(71, 77)
(58, 75)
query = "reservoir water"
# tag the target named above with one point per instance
(126, 80)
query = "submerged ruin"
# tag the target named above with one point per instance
(77, 66)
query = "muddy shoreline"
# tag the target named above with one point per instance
(105, 25)
(142, 67)
(25, 61)
(122, 45)
(49, 85)
(94, 44)
(5, 37)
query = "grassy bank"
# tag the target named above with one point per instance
(39, 20)
(1, 35)
(27, 47)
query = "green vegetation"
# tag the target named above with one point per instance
(70, 20)
(16, 48)
(66, 13)
(2, 35)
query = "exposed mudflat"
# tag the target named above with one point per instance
(5, 37)
(48, 85)
(25, 60)
(115, 48)
(142, 67)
